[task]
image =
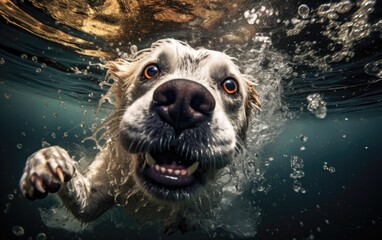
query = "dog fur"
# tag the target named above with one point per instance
(140, 127)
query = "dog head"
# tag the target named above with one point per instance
(183, 114)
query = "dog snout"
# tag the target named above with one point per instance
(183, 103)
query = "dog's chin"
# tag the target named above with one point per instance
(168, 177)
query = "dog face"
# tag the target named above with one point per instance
(184, 117)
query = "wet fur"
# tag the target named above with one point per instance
(111, 179)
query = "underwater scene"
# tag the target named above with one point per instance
(312, 161)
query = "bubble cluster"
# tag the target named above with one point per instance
(251, 16)
(256, 15)
(297, 166)
(316, 105)
(328, 168)
(344, 24)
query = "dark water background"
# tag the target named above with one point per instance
(345, 204)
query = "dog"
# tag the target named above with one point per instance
(180, 117)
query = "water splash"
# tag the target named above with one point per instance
(246, 175)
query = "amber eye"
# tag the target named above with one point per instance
(151, 71)
(230, 86)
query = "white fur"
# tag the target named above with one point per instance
(110, 178)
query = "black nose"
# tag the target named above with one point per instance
(183, 103)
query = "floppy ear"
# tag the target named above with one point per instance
(119, 77)
(253, 97)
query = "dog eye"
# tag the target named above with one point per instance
(151, 71)
(230, 86)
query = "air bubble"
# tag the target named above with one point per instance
(7, 207)
(41, 236)
(19, 146)
(24, 56)
(331, 170)
(133, 49)
(34, 59)
(11, 196)
(2, 61)
(18, 231)
(125, 56)
(7, 96)
(374, 68)
(343, 6)
(303, 11)
(45, 144)
(38, 70)
(304, 138)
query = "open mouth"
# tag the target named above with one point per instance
(170, 176)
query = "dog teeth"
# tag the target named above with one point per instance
(191, 169)
(157, 167)
(183, 172)
(178, 172)
(150, 160)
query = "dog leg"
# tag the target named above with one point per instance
(52, 170)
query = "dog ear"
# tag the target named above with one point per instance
(253, 97)
(119, 77)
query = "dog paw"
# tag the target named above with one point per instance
(45, 171)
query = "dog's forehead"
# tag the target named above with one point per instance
(183, 54)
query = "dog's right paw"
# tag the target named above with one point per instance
(45, 171)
